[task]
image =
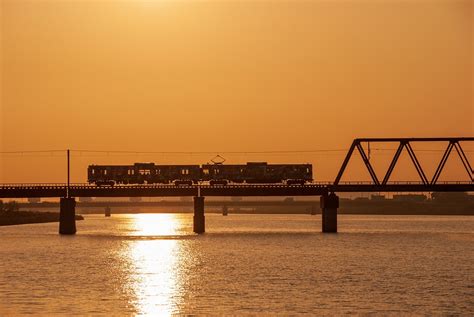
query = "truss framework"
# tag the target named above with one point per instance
(405, 143)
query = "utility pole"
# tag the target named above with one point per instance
(68, 173)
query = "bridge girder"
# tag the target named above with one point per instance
(239, 190)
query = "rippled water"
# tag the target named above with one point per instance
(153, 264)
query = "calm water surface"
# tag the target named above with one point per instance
(151, 264)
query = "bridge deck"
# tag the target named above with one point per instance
(318, 189)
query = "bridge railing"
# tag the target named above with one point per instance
(405, 183)
(40, 184)
(320, 183)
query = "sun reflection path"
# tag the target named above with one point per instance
(157, 281)
(155, 224)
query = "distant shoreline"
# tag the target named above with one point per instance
(409, 205)
(29, 217)
(277, 211)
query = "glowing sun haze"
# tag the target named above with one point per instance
(228, 76)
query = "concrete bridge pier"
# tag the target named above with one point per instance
(107, 211)
(329, 205)
(67, 216)
(199, 221)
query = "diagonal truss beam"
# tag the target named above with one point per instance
(417, 164)
(464, 159)
(356, 144)
(367, 164)
(442, 163)
(393, 163)
(346, 161)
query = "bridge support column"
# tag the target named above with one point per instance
(107, 211)
(329, 205)
(199, 222)
(67, 216)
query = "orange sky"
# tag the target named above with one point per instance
(228, 76)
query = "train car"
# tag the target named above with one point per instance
(220, 174)
(292, 174)
(257, 172)
(143, 173)
(106, 174)
(178, 174)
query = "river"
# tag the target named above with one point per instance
(152, 264)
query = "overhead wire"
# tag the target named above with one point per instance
(108, 152)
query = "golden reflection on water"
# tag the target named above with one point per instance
(155, 278)
(155, 224)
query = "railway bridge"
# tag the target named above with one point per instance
(326, 190)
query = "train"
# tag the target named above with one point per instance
(214, 174)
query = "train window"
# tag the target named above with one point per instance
(158, 171)
(93, 171)
(105, 172)
(144, 172)
(205, 171)
(307, 170)
(216, 171)
(185, 171)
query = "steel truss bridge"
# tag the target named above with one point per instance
(378, 184)
(327, 191)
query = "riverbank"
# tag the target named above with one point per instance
(27, 217)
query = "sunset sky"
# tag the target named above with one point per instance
(228, 76)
